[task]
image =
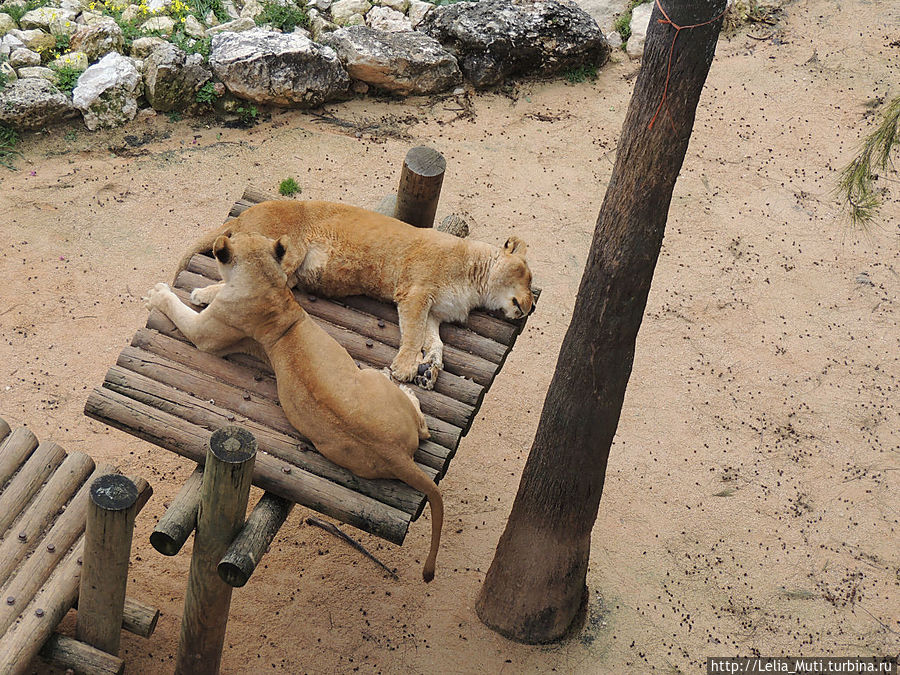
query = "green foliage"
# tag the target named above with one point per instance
(288, 187)
(174, 116)
(62, 44)
(247, 114)
(286, 17)
(8, 140)
(622, 23)
(580, 74)
(857, 183)
(67, 78)
(3, 77)
(207, 94)
(191, 45)
(202, 7)
(18, 11)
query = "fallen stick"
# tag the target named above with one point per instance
(328, 527)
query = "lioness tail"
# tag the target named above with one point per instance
(416, 478)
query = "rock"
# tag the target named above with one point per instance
(9, 43)
(359, 87)
(141, 47)
(6, 23)
(75, 5)
(284, 69)
(89, 18)
(37, 71)
(23, 56)
(73, 60)
(7, 72)
(604, 12)
(454, 224)
(614, 39)
(398, 5)
(230, 9)
(418, 10)
(210, 19)
(107, 92)
(251, 9)
(172, 78)
(63, 26)
(402, 63)
(33, 103)
(343, 11)
(387, 19)
(193, 27)
(132, 13)
(319, 26)
(35, 39)
(495, 39)
(320, 5)
(640, 21)
(42, 17)
(98, 39)
(164, 25)
(236, 26)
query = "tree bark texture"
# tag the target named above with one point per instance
(536, 582)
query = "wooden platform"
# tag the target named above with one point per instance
(164, 390)
(44, 495)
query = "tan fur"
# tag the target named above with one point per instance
(341, 250)
(357, 418)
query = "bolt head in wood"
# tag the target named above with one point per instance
(246, 394)
(114, 492)
(229, 417)
(10, 600)
(369, 343)
(312, 298)
(23, 536)
(381, 323)
(286, 469)
(51, 548)
(39, 612)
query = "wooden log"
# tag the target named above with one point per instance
(14, 452)
(53, 497)
(420, 186)
(107, 550)
(271, 431)
(28, 579)
(238, 374)
(224, 490)
(189, 440)
(4, 429)
(17, 495)
(180, 518)
(139, 618)
(66, 652)
(248, 548)
(458, 337)
(22, 642)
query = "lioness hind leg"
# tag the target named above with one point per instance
(433, 359)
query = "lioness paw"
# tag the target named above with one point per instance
(426, 374)
(156, 298)
(200, 296)
(404, 368)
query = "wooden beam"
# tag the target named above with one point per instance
(107, 550)
(180, 518)
(66, 652)
(420, 186)
(224, 490)
(17, 495)
(254, 539)
(15, 449)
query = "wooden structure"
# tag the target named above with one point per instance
(48, 499)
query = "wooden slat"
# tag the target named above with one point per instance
(14, 451)
(247, 373)
(271, 429)
(4, 429)
(190, 440)
(17, 495)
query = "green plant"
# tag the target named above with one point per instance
(247, 115)
(174, 116)
(8, 140)
(67, 78)
(622, 24)
(203, 7)
(207, 94)
(580, 74)
(17, 11)
(191, 45)
(62, 44)
(3, 76)
(857, 183)
(286, 17)
(71, 136)
(288, 187)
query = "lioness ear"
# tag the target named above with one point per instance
(281, 249)
(222, 250)
(514, 245)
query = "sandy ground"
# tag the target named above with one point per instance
(751, 501)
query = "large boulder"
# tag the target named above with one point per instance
(640, 22)
(172, 78)
(495, 39)
(281, 68)
(402, 63)
(387, 19)
(107, 92)
(33, 103)
(98, 39)
(43, 17)
(6, 23)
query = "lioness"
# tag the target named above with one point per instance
(358, 419)
(340, 250)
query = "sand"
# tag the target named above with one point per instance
(751, 498)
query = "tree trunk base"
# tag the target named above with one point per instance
(535, 590)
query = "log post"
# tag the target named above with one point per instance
(251, 544)
(420, 186)
(180, 518)
(224, 492)
(107, 549)
(69, 653)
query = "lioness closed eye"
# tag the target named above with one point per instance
(340, 250)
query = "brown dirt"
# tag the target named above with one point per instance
(751, 499)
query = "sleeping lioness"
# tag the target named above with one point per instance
(358, 419)
(339, 250)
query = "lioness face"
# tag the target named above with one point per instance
(254, 253)
(512, 281)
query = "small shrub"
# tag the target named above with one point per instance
(3, 77)
(622, 23)
(17, 11)
(288, 187)
(67, 78)
(191, 45)
(174, 116)
(286, 17)
(203, 7)
(581, 73)
(62, 44)
(207, 94)
(247, 115)
(8, 140)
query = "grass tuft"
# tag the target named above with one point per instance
(288, 187)
(8, 141)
